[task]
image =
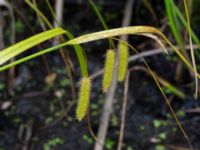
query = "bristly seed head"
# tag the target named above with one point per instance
(84, 96)
(123, 61)
(108, 69)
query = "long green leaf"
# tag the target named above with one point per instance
(184, 22)
(78, 49)
(173, 24)
(121, 31)
(42, 52)
(80, 55)
(111, 33)
(128, 30)
(22, 46)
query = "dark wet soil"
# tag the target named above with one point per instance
(33, 118)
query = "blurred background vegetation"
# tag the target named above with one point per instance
(37, 98)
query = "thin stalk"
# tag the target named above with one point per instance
(64, 54)
(78, 49)
(166, 99)
(191, 49)
(111, 43)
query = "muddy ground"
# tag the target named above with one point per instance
(34, 118)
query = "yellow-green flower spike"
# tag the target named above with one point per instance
(123, 61)
(84, 96)
(109, 68)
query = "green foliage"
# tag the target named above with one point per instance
(160, 147)
(88, 139)
(26, 44)
(162, 136)
(22, 46)
(64, 82)
(19, 26)
(174, 23)
(129, 148)
(2, 86)
(78, 48)
(48, 120)
(52, 143)
(180, 113)
(172, 89)
(109, 143)
(157, 123)
(177, 24)
(115, 120)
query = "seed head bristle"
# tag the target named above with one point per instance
(84, 96)
(123, 61)
(109, 68)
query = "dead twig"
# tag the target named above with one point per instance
(122, 126)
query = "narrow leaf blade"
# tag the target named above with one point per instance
(22, 46)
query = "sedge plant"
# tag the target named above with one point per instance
(82, 39)
(85, 84)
